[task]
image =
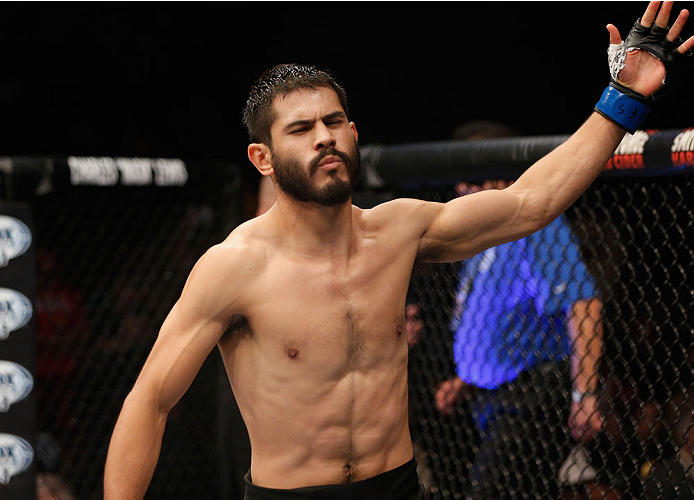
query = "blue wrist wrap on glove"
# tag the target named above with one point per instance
(625, 109)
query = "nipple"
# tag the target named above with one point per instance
(293, 352)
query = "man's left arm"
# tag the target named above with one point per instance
(586, 334)
(465, 226)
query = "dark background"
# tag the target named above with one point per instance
(170, 78)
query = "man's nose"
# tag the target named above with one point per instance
(324, 137)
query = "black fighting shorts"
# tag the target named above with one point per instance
(401, 483)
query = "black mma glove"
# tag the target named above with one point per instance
(627, 108)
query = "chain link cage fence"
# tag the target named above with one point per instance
(635, 233)
(637, 240)
(111, 262)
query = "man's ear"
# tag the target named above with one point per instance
(354, 131)
(261, 157)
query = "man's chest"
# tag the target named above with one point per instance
(352, 312)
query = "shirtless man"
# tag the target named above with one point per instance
(306, 302)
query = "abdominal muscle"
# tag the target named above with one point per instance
(310, 426)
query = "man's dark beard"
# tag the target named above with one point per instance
(298, 183)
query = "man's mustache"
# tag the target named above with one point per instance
(313, 165)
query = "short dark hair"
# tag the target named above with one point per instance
(279, 81)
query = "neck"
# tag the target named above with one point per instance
(314, 228)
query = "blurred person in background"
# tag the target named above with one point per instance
(673, 477)
(52, 487)
(521, 310)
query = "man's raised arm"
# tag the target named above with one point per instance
(465, 226)
(191, 330)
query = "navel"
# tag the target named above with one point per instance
(349, 472)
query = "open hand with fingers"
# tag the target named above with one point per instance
(659, 47)
(652, 55)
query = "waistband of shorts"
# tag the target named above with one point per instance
(401, 481)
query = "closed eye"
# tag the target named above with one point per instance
(334, 119)
(298, 130)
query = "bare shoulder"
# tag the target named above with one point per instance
(244, 246)
(239, 251)
(227, 269)
(401, 214)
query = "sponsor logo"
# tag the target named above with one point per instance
(16, 456)
(107, 171)
(15, 311)
(15, 239)
(629, 153)
(92, 171)
(169, 172)
(15, 384)
(683, 149)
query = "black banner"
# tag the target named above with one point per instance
(23, 177)
(17, 353)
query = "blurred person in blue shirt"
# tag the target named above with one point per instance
(527, 343)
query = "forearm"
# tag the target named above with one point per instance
(586, 332)
(134, 449)
(554, 182)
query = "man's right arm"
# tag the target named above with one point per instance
(191, 330)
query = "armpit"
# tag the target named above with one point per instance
(238, 326)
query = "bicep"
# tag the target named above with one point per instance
(470, 224)
(181, 348)
(191, 330)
